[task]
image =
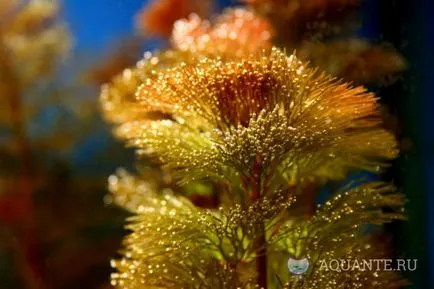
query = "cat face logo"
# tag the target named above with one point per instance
(298, 267)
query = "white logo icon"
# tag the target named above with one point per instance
(298, 267)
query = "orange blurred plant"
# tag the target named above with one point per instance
(157, 17)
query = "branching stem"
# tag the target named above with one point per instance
(261, 242)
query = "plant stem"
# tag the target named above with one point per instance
(11, 87)
(261, 260)
(261, 242)
(308, 199)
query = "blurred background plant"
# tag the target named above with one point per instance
(56, 152)
(325, 33)
(44, 116)
(32, 43)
